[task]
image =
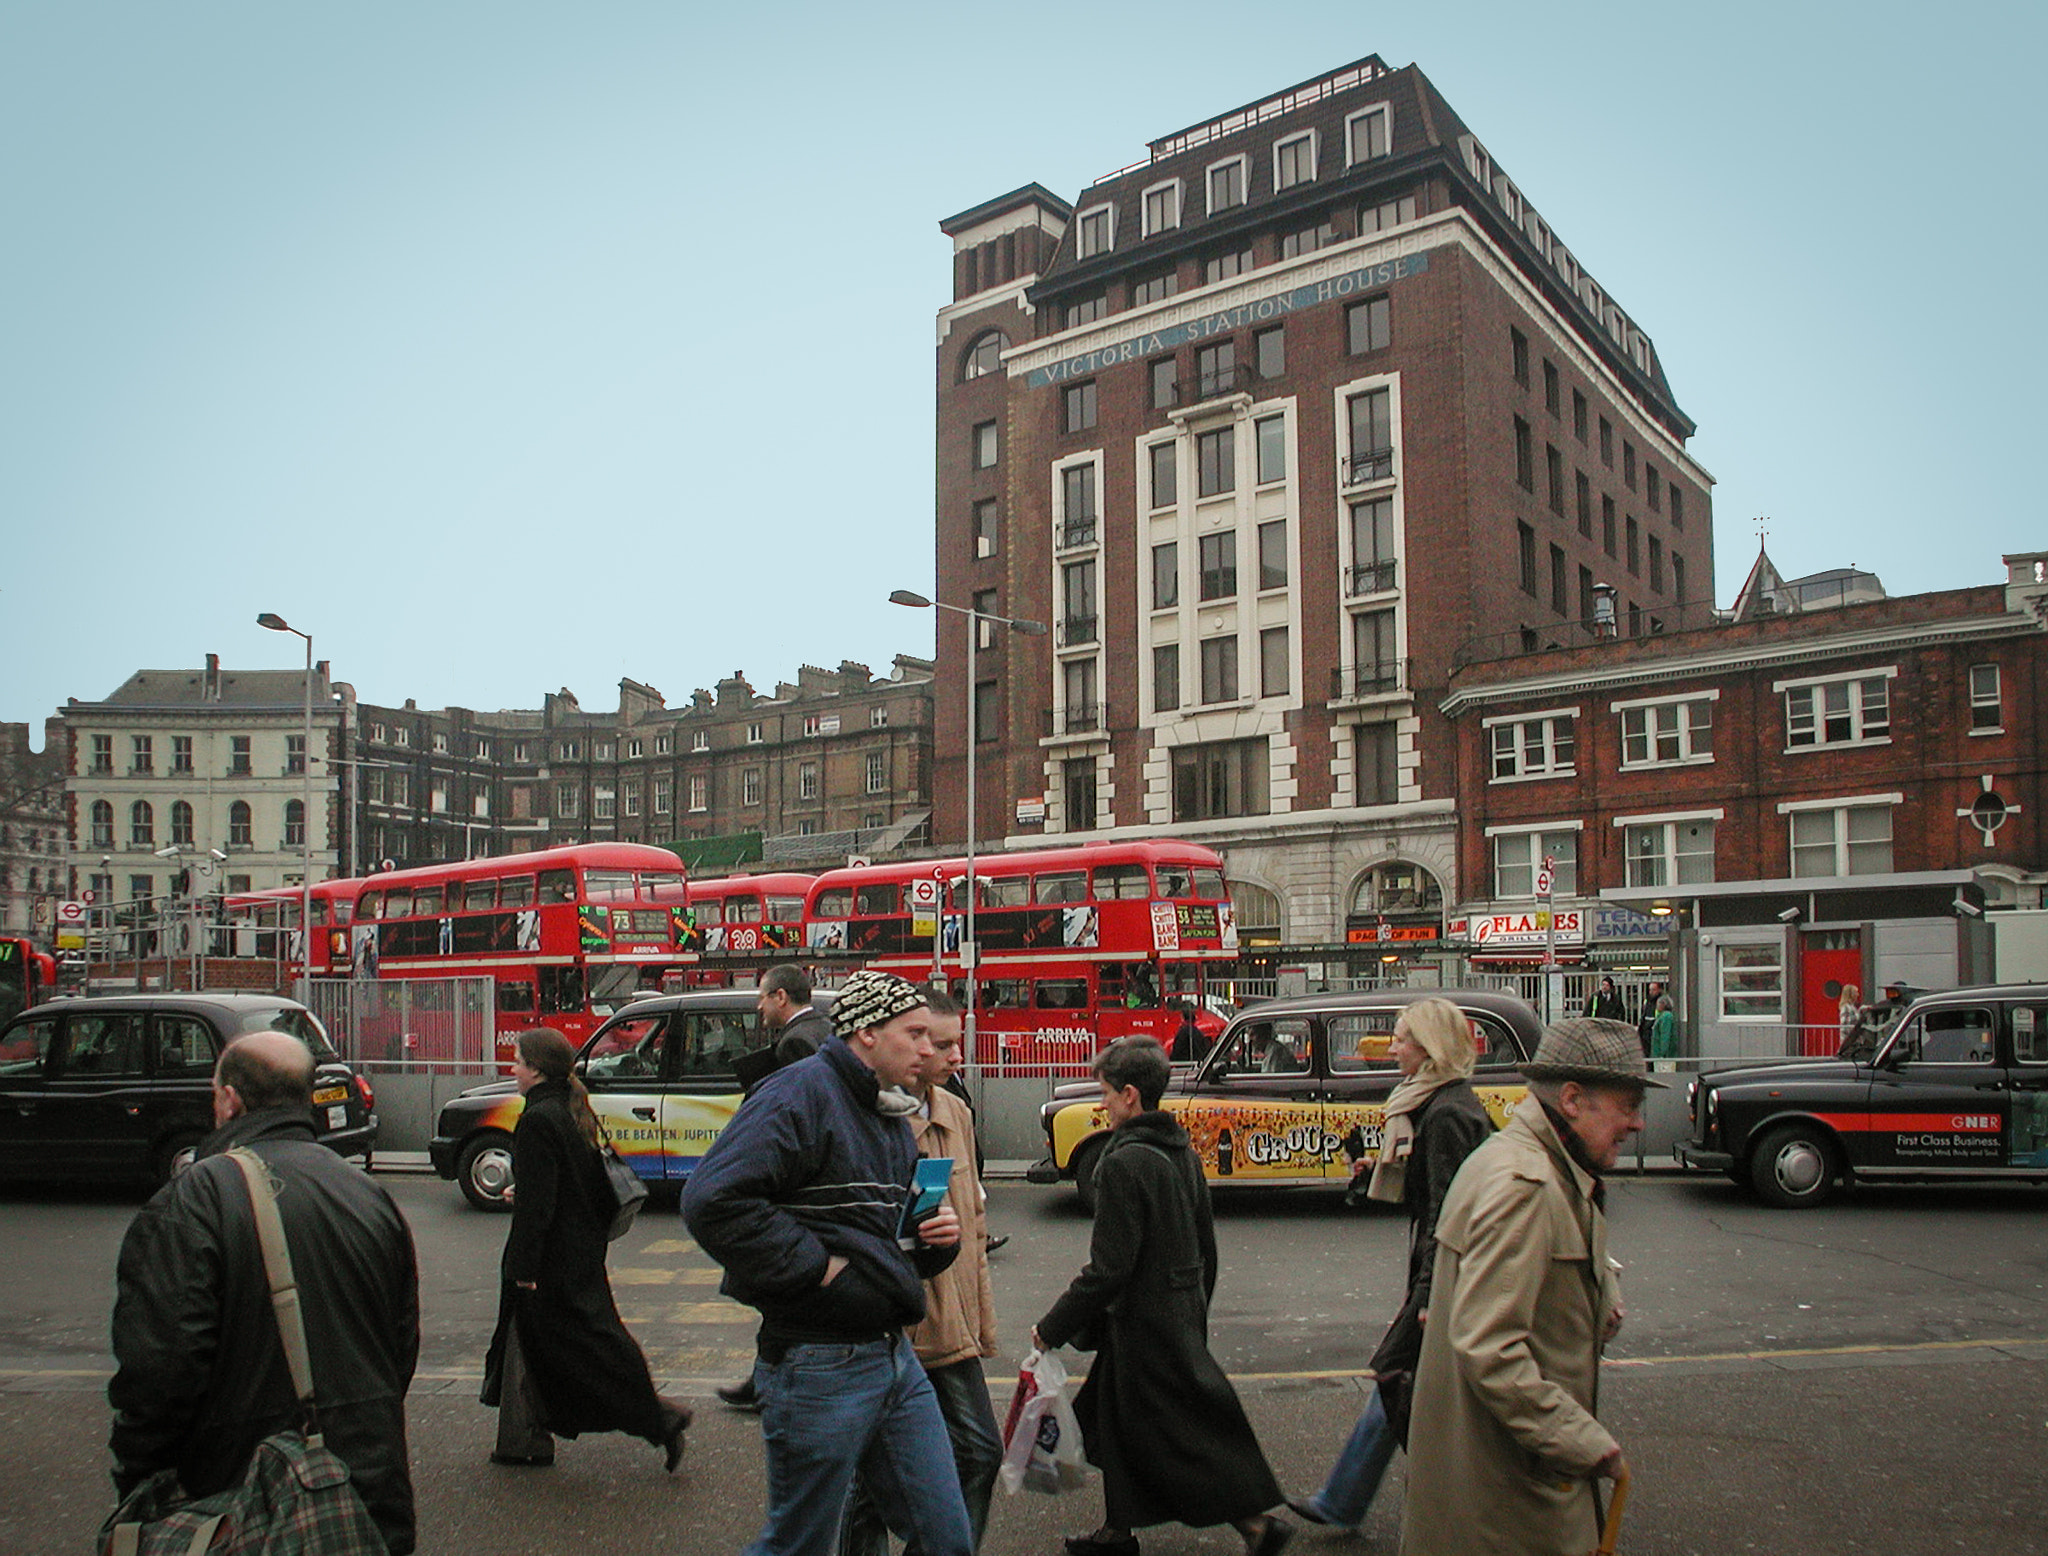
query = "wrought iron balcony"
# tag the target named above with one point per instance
(1370, 577)
(1375, 464)
(1209, 386)
(1077, 718)
(1374, 678)
(1077, 532)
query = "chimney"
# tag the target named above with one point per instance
(209, 690)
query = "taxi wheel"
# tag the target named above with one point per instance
(1086, 1155)
(484, 1169)
(1793, 1167)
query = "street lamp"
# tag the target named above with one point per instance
(277, 623)
(969, 951)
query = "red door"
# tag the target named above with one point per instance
(1828, 960)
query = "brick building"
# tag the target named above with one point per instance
(1272, 427)
(1768, 808)
(33, 874)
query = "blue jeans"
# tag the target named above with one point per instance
(1356, 1475)
(827, 1410)
(962, 1389)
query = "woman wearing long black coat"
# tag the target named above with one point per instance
(561, 1361)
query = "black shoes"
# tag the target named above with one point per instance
(996, 1242)
(680, 1417)
(1093, 1545)
(524, 1461)
(740, 1395)
(1309, 1510)
(1272, 1539)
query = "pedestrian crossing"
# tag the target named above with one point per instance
(667, 1292)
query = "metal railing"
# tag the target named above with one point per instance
(1662, 619)
(1077, 532)
(1373, 679)
(1370, 577)
(1078, 629)
(1375, 464)
(1077, 718)
(409, 1023)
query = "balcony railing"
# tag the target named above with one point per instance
(1077, 532)
(1654, 621)
(1077, 718)
(1375, 464)
(1077, 629)
(1372, 679)
(1209, 386)
(1370, 577)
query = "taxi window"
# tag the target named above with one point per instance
(1959, 1035)
(184, 1046)
(709, 1041)
(1279, 1047)
(2029, 1033)
(632, 1047)
(1362, 1042)
(108, 1043)
(26, 1043)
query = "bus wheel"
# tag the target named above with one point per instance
(1086, 1155)
(485, 1170)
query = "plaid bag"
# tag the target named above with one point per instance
(296, 1498)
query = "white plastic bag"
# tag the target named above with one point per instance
(1041, 1438)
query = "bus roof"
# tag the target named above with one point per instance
(786, 883)
(588, 856)
(1081, 856)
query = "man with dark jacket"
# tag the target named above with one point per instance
(802, 1199)
(200, 1375)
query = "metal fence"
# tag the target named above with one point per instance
(409, 1023)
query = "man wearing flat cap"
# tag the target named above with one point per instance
(1504, 1441)
(802, 1199)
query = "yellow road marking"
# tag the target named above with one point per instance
(664, 1277)
(692, 1313)
(670, 1245)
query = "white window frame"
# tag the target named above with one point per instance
(664, 744)
(632, 748)
(1540, 830)
(750, 786)
(1840, 806)
(1757, 950)
(1650, 736)
(1549, 766)
(1382, 111)
(1103, 216)
(1314, 139)
(1170, 187)
(700, 740)
(754, 737)
(1814, 688)
(604, 803)
(1995, 701)
(664, 796)
(807, 780)
(1244, 183)
(700, 792)
(877, 772)
(878, 716)
(813, 722)
(1669, 822)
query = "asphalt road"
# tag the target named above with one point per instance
(1872, 1376)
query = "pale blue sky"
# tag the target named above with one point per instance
(511, 346)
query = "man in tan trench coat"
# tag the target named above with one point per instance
(1504, 1444)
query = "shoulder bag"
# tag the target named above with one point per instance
(297, 1498)
(625, 1190)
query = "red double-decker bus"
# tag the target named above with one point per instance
(568, 934)
(748, 921)
(264, 925)
(27, 976)
(1078, 946)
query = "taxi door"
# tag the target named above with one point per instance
(25, 1051)
(1257, 1113)
(703, 1092)
(2026, 1140)
(625, 1069)
(1938, 1097)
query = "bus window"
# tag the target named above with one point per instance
(319, 911)
(1122, 883)
(785, 910)
(1004, 993)
(743, 910)
(1062, 994)
(398, 904)
(613, 986)
(515, 998)
(645, 921)
(601, 885)
(836, 903)
(1130, 985)
(426, 902)
(1209, 885)
(480, 894)
(373, 904)
(1176, 880)
(878, 901)
(1006, 891)
(557, 886)
(344, 910)
(515, 891)
(1062, 886)
(561, 988)
(663, 886)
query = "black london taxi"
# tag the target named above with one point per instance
(121, 1086)
(1294, 1089)
(661, 1080)
(1956, 1088)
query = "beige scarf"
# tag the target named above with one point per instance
(1397, 1133)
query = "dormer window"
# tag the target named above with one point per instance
(1162, 208)
(1294, 161)
(1095, 232)
(1368, 134)
(1226, 184)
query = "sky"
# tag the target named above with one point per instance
(507, 347)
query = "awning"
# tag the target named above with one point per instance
(714, 855)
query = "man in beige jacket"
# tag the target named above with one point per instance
(959, 1326)
(1504, 1444)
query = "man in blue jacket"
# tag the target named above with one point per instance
(802, 1199)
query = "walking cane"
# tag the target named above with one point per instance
(1610, 1531)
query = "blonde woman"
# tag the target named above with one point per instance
(1434, 1120)
(1850, 1012)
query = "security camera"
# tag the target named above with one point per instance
(223, 858)
(1967, 908)
(1790, 915)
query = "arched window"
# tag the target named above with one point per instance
(241, 833)
(102, 824)
(985, 356)
(141, 825)
(294, 823)
(181, 823)
(1396, 887)
(1258, 914)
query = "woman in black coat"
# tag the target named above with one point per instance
(1434, 1120)
(561, 1362)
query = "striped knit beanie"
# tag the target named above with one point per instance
(872, 999)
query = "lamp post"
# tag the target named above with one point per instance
(970, 953)
(277, 623)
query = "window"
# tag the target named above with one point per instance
(878, 716)
(1677, 508)
(1271, 442)
(1838, 713)
(1077, 506)
(1525, 557)
(1842, 840)
(984, 711)
(1375, 666)
(295, 824)
(1226, 185)
(402, 735)
(1369, 325)
(1752, 982)
(1273, 554)
(601, 751)
(700, 740)
(181, 823)
(878, 772)
(1215, 369)
(983, 445)
(1077, 682)
(181, 753)
(1554, 466)
(987, 534)
(1607, 525)
(1162, 207)
(441, 742)
(1165, 575)
(1662, 733)
(1216, 561)
(750, 786)
(1219, 669)
(1156, 287)
(102, 824)
(1077, 783)
(1376, 777)
(1165, 462)
(1579, 409)
(1518, 348)
(1216, 462)
(1677, 577)
(141, 825)
(1539, 747)
(1585, 503)
(633, 748)
(568, 800)
(1164, 386)
(664, 796)
(1274, 677)
(1986, 710)
(1368, 135)
(700, 791)
(1518, 855)
(241, 826)
(1678, 852)
(629, 801)
(1635, 541)
(1269, 350)
(143, 754)
(1372, 546)
(1653, 484)
(1656, 565)
(1087, 310)
(1560, 591)
(986, 355)
(295, 753)
(1525, 457)
(1231, 262)
(1628, 464)
(1078, 401)
(102, 753)
(1165, 677)
(753, 734)
(1077, 597)
(1227, 778)
(1553, 395)
(238, 754)
(1606, 443)
(437, 798)
(568, 751)
(1094, 232)
(1306, 240)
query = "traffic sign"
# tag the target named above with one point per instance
(924, 893)
(71, 913)
(1544, 881)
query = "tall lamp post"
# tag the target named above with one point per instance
(970, 953)
(277, 623)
